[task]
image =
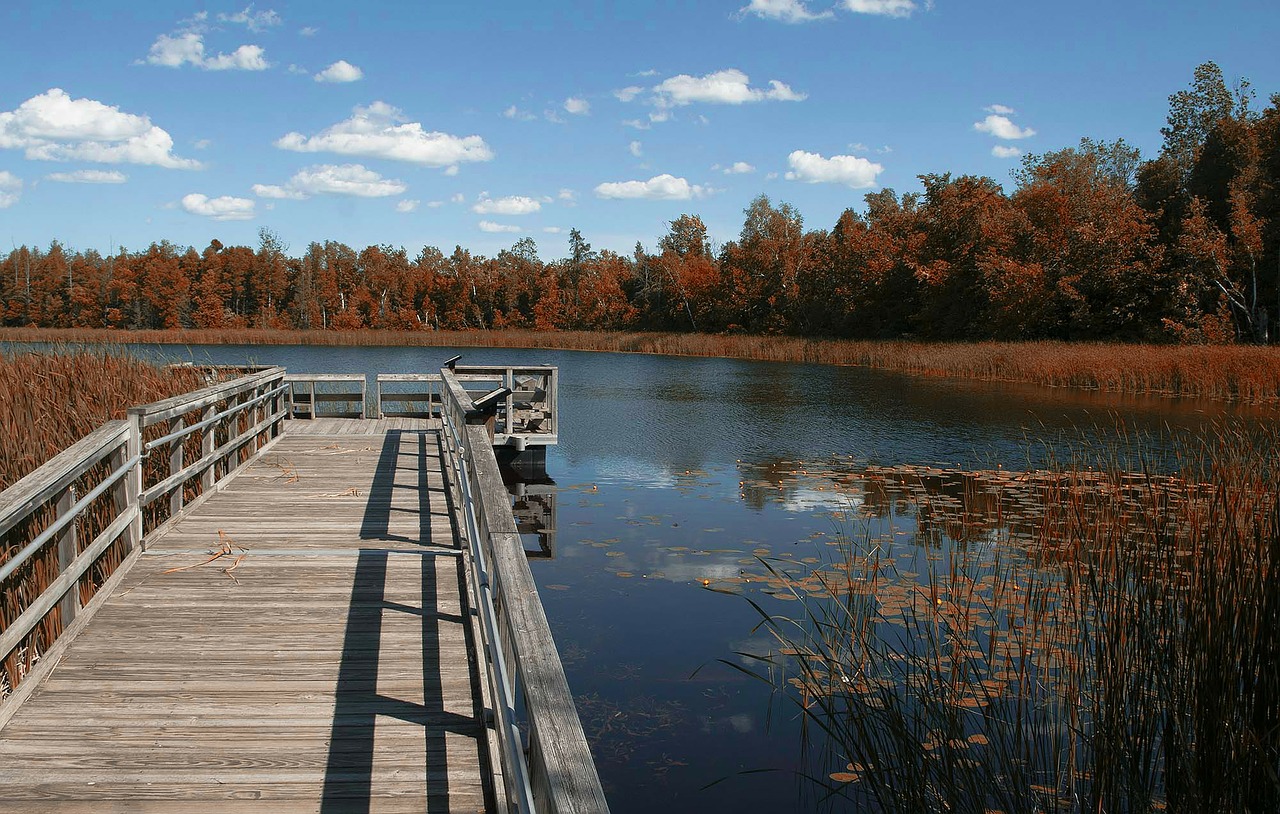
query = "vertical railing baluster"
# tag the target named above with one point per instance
(208, 439)
(67, 545)
(176, 456)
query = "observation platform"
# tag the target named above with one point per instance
(341, 620)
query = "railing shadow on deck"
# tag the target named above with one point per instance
(349, 784)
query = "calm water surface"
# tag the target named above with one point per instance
(672, 473)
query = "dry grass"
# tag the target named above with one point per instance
(1057, 642)
(1238, 372)
(47, 403)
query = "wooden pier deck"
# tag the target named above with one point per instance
(332, 669)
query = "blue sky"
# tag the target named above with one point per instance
(429, 123)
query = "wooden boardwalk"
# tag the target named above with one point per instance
(332, 669)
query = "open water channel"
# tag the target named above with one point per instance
(675, 476)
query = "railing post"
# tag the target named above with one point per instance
(129, 489)
(176, 455)
(66, 555)
(208, 443)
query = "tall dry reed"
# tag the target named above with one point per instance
(1237, 372)
(1121, 655)
(47, 403)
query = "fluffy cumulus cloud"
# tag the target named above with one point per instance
(1001, 110)
(187, 48)
(88, 177)
(331, 179)
(727, 87)
(636, 149)
(55, 127)
(883, 8)
(511, 205)
(730, 87)
(340, 71)
(788, 11)
(738, 168)
(1002, 128)
(408, 205)
(1002, 151)
(628, 93)
(659, 188)
(381, 131)
(852, 171)
(490, 226)
(577, 106)
(224, 207)
(10, 189)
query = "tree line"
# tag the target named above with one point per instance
(1093, 243)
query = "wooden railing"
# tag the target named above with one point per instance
(70, 525)
(423, 401)
(529, 414)
(305, 397)
(546, 765)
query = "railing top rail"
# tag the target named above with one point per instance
(324, 377)
(503, 368)
(59, 472)
(408, 377)
(198, 399)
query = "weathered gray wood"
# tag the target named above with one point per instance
(29, 618)
(176, 450)
(67, 542)
(168, 408)
(60, 471)
(303, 675)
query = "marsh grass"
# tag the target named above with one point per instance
(1237, 372)
(48, 402)
(1104, 641)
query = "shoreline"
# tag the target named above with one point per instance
(1245, 373)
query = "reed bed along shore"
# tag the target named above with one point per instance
(1069, 641)
(1237, 372)
(47, 403)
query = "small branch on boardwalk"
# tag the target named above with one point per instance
(226, 548)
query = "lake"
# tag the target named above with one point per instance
(676, 476)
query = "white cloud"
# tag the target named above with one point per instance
(308, 31)
(727, 87)
(884, 8)
(340, 71)
(88, 177)
(636, 148)
(516, 113)
(221, 208)
(458, 197)
(577, 106)
(434, 204)
(788, 11)
(852, 171)
(202, 144)
(331, 179)
(1000, 110)
(381, 131)
(407, 205)
(173, 52)
(10, 189)
(648, 72)
(567, 195)
(244, 58)
(739, 168)
(628, 93)
(188, 48)
(659, 188)
(511, 205)
(552, 230)
(1001, 151)
(490, 226)
(55, 127)
(1001, 127)
(253, 20)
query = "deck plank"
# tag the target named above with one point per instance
(329, 671)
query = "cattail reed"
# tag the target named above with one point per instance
(1246, 373)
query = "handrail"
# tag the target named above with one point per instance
(312, 396)
(556, 773)
(238, 415)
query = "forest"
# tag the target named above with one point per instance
(1094, 242)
